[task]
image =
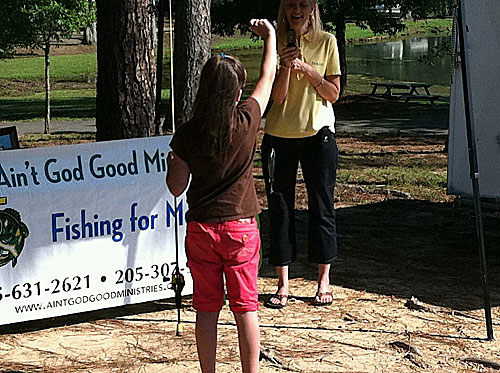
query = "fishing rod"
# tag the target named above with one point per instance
(178, 282)
(177, 277)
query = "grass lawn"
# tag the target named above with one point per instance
(65, 104)
(78, 68)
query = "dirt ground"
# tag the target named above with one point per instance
(407, 290)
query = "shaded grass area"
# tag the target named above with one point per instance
(369, 165)
(363, 106)
(41, 140)
(420, 182)
(28, 109)
(416, 166)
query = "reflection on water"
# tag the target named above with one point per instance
(399, 60)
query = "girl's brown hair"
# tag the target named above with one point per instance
(283, 26)
(221, 80)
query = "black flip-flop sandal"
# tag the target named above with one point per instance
(269, 304)
(319, 295)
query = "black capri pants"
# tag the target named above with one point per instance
(318, 157)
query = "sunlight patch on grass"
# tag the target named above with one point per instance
(394, 177)
(79, 67)
(231, 43)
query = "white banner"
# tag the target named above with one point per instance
(85, 227)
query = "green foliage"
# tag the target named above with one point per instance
(363, 13)
(56, 19)
(35, 23)
(13, 30)
(421, 9)
(435, 54)
(230, 15)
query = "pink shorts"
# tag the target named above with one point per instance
(230, 248)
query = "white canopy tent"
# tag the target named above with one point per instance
(474, 131)
(483, 69)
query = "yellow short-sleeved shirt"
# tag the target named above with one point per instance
(304, 111)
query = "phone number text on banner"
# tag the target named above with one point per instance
(85, 227)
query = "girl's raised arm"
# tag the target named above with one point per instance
(262, 90)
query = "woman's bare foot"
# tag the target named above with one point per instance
(278, 300)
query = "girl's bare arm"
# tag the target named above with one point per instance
(177, 174)
(263, 87)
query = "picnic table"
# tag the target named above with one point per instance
(408, 91)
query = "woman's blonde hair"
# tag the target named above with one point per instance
(214, 110)
(315, 25)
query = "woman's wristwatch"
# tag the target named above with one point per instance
(320, 83)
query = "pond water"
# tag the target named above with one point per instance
(401, 60)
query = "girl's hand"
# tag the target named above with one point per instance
(262, 27)
(290, 54)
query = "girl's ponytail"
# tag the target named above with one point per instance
(221, 80)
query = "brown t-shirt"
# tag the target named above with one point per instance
(222, 189)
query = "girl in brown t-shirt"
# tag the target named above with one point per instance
(216, 149)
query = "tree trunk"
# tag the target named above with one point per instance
(191, 51)
(340, 31)
(90, 35)
(46, 52)
(126, 75)
(159, 64)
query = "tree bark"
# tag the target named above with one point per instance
(340, 31)
(191, 51)
(90, 35)
(46, 52)
(126, 75)
(159, 64)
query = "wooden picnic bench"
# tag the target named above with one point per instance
(430, 98)
(408, 91)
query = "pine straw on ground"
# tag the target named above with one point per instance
(392, 248)
(361, 332)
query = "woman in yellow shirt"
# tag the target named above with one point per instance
(300, 128)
